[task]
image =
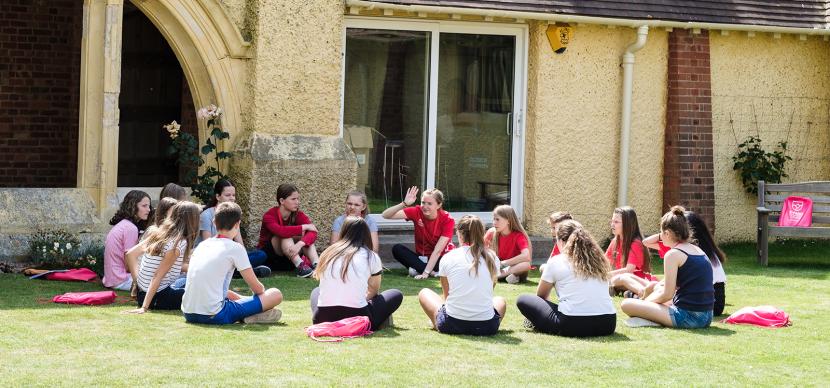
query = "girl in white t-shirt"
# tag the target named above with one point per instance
(165, 250)
(580, 275)
(468, 275)
(349, 273)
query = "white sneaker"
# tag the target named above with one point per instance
(269, 316)
(640, 322)
(512, 279)
(413, 273)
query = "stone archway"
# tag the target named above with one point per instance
(209, 48)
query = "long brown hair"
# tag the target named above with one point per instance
(355, 236)
(507, 212)
(128, 210)
(183, 224)
(163, 207)
(675, 221)
(471, 230)
(585, 256)
(284, 191)
(174, 191)
(630, 235)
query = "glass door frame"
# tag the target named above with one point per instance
(436, 27)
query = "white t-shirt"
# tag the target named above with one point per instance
(470, 298)
(150, 263)
(209, 275)
(577, 297)
(351, 293)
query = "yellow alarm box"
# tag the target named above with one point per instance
(559, 37)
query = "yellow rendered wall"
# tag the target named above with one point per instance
(572, 146)
(295, 77)
(778, 89)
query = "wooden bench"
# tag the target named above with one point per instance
(770, 200)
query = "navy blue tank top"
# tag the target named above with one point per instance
(695, 291)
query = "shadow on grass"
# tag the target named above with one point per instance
(241, 326)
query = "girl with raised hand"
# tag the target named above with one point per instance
(468, 275)
(350, 275)
(165, 250)
(688, 282)
(629, 258)
(433, 231)
(287, 234)
(509, 240)
(580, 275)
(356, 206)
(128, 222)
(224, 191)
(702, 237)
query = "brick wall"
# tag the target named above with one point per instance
(40, 55)
(688, 177)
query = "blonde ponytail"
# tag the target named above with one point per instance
(585, 256)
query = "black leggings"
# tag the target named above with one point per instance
(720, 298)
(546, 318)
(167, 299)
(410, 259)
(379, 308)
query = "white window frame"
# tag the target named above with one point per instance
(436, 27)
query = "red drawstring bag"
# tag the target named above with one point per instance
(80, 274)
(87, 298)
(765, 316)
(339, 330)
(796, 211)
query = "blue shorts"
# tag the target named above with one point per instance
(449, 325)
(687, 319)
(232, 312)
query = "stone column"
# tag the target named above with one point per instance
(99, 114)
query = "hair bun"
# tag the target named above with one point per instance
(678, 210)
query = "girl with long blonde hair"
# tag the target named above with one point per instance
(165, 250)
(509, 240)
(350, 273)
(468, 275)
(580, 275)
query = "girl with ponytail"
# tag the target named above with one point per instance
(580, 275)
(688, 282)
(468, 275)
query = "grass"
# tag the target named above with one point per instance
(42, 343)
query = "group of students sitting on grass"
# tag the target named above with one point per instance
(187, 257)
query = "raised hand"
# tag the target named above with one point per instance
(411, 196)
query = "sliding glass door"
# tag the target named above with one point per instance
(435, 104)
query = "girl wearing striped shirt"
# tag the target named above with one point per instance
(166, 248)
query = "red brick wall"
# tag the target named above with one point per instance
(40, 58)
(688, 173)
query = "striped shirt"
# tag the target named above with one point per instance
(150, 263)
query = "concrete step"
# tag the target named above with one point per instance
(388, 238)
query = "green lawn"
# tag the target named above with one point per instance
(42, 343)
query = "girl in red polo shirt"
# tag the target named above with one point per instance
(628, 256)
(509, 240)
(433, 231)
(287, 233)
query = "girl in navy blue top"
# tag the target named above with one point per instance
(688, 282)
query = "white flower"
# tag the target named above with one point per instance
(68, 246)
(56, 245)
(61, 250)
(173, 129)
(209, 112)
(44, 249)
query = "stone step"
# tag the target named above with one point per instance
(541, 246)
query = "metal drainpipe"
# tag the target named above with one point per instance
(625, 127)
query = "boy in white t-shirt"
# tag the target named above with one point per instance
(207, 298)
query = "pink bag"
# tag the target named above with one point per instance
(351, 327)
(765, 316)
(796, 211)
(80, 274)
(87, 298)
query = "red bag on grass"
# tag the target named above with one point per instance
(80, 274)
(87, 298)
(345, 328)
(765, 316)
